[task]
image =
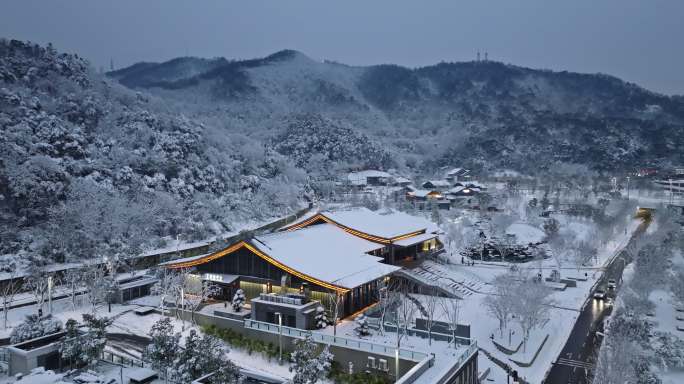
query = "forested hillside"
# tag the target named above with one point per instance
(93, 164)
(90, 168)
(480, 114)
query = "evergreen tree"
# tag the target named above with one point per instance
(94, 340)
(361, 328)
(71, 348)
(164, 345)
(321, 318)
(238, 300)
(308, 366)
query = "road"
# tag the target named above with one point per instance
(576, 359)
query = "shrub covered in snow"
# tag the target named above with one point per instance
(33, 327)
(361, 323)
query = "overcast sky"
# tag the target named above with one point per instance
(637, 40)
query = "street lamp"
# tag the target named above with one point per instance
(280, 337)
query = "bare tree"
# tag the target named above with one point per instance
(384, 303)
(451, 309)
(10, 287)
(531, 306)
(167, 286)
(677, 285)
(406, 312)
(72, 279)
(334, 304)
(197, 292)
(558, 252)
(37, 282)
(500, 303)
(96, 289)
(431, 303)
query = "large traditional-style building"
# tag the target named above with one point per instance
(324, 256)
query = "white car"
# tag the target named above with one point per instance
(612, 284)
(600, 294)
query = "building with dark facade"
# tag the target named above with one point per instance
(338, 257)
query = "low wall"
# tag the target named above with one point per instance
(43, 351)
(342, 355)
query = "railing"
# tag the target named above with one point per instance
(121, 359)
(281, 299)
(339, 341)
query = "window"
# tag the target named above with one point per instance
(371, 362)
(382, 365)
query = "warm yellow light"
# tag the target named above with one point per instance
(363, 235)
(264, 256)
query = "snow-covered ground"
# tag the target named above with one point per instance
(474, 281)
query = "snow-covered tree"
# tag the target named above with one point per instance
(500, 303)
(167, 286)
(321, 318)
(551, 228)
(197, 292)
(71, 348)
(308, 365)
(164, 345)
(37, 281)
(96, 289)
(9, 289)
(201, 356)
(94, 339)
(677, 285)
(72, 281)
(361, 326)
(238, 300)
(531, 306)
(669, 351)
(33, 327)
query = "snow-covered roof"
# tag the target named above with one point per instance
(388, 224)
(415, 239)
(457, 172)
(142, 281)
(326, 253)
(438, 183)
(319, 253)
(422, 192)
(184, 260)
(400, 179)
(525, 233)
(456, 189)
(360, 178)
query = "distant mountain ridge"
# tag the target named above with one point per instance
(481, 114)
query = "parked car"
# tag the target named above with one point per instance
(612, 284)
(600, 294)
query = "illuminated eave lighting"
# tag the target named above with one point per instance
(363, 235)
(264, 256)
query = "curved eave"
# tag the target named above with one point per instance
(256, 251)
(357, 233)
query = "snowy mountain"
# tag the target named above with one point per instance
(88, 167)
(481, 114)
